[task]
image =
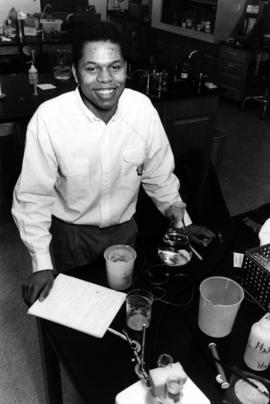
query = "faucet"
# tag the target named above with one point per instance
(47, 5)
(146, 74)
(69, 16)
(192, 53)
(198, 67)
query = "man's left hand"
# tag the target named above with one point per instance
(200, 235)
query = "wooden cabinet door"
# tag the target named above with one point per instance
(188, 133)
(189, 122)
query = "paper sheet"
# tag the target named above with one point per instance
(81, 305)
(46, 86)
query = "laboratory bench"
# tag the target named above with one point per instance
(100, 368)
(14, 46)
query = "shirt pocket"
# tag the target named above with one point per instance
(132, 159)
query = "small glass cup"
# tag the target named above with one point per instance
(138, 309)
(173, 389)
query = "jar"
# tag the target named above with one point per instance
(257, 353)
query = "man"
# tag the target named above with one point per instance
(86, 153)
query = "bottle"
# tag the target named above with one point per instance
(8, 29)
(184, 71)
(177, 74)
(21, 17)
(33, 74)
(12, 16)
(257, 353)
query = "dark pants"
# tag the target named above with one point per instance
(76, 245)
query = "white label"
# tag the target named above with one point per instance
(184, 75)
(256, 359)
(238, 260)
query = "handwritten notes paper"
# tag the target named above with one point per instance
(81, 305)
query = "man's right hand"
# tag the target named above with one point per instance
(38, 286)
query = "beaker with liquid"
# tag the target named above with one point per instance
(138, 309)
(175, 249)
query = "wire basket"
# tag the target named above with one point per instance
(255, 277)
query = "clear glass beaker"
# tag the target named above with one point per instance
(138, 309)
(173, 390)
(62, 68)
(175, 249)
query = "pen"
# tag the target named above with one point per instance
(192, 248)
(196, 253)
(221, 377)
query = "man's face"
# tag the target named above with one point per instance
(101, 74)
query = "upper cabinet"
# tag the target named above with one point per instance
(206, 20)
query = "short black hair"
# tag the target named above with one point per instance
(93, 32)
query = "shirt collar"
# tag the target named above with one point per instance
(86, 111)
(90, 115)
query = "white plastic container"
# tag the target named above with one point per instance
(257, 353)
(33, 74)
(51, 25)
(220, 300)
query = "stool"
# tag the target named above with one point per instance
(262, 63)
(264, 100)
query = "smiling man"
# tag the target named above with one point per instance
(101, 74)
(86, 154)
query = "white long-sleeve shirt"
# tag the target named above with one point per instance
(84, 171)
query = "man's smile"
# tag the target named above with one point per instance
(105, 92)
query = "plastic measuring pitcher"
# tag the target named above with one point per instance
(220, 299)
